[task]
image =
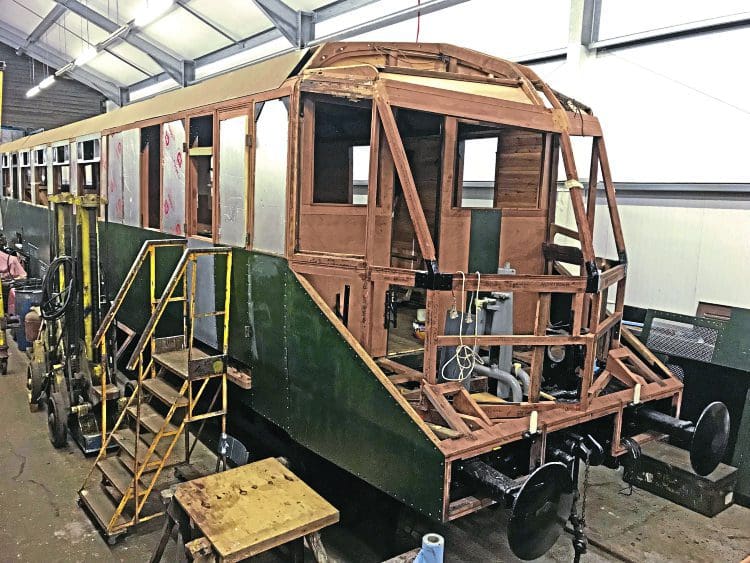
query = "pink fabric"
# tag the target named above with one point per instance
(10, 267)
(12, 301)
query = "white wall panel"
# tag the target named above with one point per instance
(680, 253)
(131, 177)
(116, 205)
(173, 178)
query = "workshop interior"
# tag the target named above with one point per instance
(374, 281)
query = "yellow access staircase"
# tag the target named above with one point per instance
(172, 377)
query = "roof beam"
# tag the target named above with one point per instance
(380, 22)
(592, 10)
(15, 38)
(178, 69)
(185, 5)
(329, 11)
(297, 26)
(41, 28)
(691, 29)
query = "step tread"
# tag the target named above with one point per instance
(113, 392)
(101, 506)
(117, 474)
(176, 361)
(151, 419)
(126, 438)
(163, 391)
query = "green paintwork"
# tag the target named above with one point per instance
(119, 246)
(306, 378)
(725, 378)
(31, 221)
(484, 240)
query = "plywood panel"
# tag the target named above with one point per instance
(424, 159)
(519, 165)
(341, 234)
(521, 241)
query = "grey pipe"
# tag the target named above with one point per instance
(509, 382)
(523, 377)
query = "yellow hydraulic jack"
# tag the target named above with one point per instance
(65, 366)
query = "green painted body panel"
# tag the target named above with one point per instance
(119, 246)
(32, 222)
(306, 378)
(340, 410)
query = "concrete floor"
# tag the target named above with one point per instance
(40, 521)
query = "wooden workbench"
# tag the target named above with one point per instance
(253, 508)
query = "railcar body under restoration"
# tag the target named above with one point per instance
(414, 288)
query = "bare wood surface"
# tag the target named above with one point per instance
(401, 162)
(253, 508)
(639, 347)
(445, 410)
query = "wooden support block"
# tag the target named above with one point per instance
(474, 422)
(487, 398)
(465, 404)
(444, 432)
(445, 409)
(578, 308)
(199, 550)
(617, 367)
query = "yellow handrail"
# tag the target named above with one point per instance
(187, 256)
(148, 247)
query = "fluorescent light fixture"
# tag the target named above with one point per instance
(86, 56)
(33, 92)
(47, 82)
(151, 12)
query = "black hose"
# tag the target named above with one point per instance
(56, 303)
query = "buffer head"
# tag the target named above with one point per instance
(540, 510)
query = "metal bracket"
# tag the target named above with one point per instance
(592, 277)
(433, 279)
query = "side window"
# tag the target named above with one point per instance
(40, 176)
(201, 176)
(479, 169)
(233, 180)
(61, 168)
(25, 160)
(7, 175)
(14, 176)
(150, 169)
(269, 196)
(498, 167)
(342, 153)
